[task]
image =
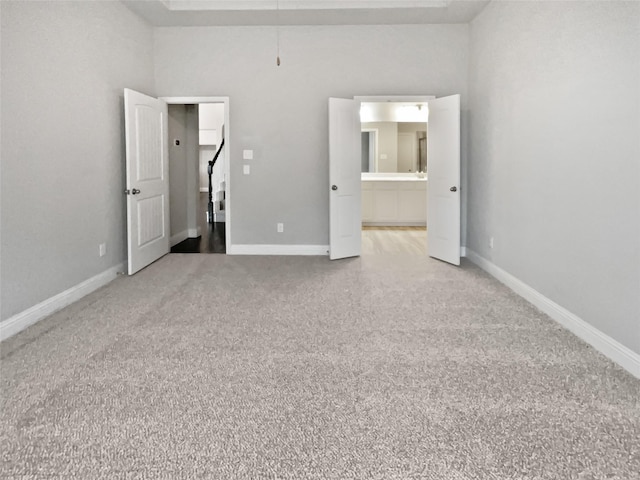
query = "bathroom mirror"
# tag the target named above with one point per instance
(394, 137)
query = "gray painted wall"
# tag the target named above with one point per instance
(177, 128)
(193, 159)
(554, 168)
(281, 112)
(62, 141)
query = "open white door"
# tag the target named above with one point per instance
(147, 179)
(443, 189)
(345, 219)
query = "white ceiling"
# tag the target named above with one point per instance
(304, 12)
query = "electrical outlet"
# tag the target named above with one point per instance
(280, 227)
(490, 242)
(102, 249)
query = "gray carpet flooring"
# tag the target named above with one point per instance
(380, 367)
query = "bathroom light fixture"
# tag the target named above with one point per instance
(366, 114)
(411, 113)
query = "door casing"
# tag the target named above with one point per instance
(423, 98)
(227, 146)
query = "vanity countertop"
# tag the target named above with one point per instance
(381, 177)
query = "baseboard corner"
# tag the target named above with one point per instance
(608, 346)
(178, 237)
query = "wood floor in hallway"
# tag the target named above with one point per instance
(212, 239)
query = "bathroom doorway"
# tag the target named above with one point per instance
(396, 194)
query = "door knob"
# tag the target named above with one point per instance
(135, 191)
(453, 189)
(334, 187)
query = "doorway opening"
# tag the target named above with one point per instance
(346, 178)
(199, 146)
(394, 183)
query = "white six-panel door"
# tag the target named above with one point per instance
(345, 219)
(443, 169)
(147, 189)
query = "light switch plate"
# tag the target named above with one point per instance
(246, 169)
(247, 154)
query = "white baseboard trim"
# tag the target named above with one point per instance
(178, 237)
(204, 189)
(195, 232)
(32, 315)
(278, 250)
(614, 350)
(463, 251)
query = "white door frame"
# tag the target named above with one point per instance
(417, 98)
(394, 98)
(227, 146)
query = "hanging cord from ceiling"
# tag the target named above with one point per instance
(278, 32)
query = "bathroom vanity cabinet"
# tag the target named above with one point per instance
(394, 201)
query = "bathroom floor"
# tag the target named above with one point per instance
(394, 240)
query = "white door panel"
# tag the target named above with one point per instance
(147, 167)
(345, 220)
(443, 191)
